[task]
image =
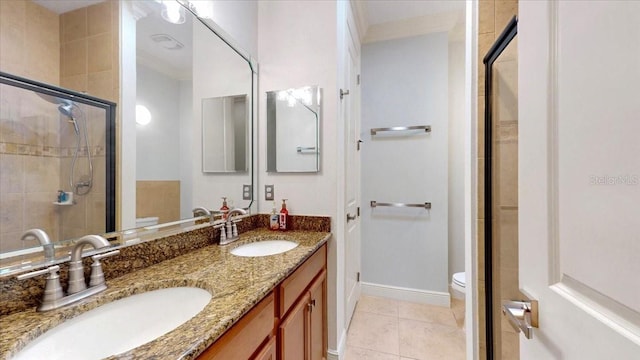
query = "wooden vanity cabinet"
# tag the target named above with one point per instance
(302, 330)
(288, 324)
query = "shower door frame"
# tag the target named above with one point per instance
(110, 132)
(501, 43)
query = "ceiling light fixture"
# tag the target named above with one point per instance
(173, 12)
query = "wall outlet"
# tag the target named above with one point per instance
(268, 192)
(246, 192)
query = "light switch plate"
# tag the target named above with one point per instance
(246, 192)
(268, 192)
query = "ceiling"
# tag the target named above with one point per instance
(63, 6)
(382, 11)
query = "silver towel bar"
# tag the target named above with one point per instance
(426, 205)
(426, 128)
(307, 150)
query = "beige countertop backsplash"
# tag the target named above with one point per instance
(236, 285)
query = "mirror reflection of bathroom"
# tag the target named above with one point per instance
(54, 164)
(293, 123)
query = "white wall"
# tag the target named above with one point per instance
(405, 83)
(158, 143)
(456, 154)
(217, 71)
(298, 47)
(186, 139)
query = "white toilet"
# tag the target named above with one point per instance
(458, 282)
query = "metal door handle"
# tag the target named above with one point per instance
(522, 315)
(350, 217)
(343, 93)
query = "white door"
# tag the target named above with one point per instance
(351, 107)
(579, 170)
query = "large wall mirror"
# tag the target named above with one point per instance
(293, 130)
(167, 63)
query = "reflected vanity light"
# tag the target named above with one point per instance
(303, 95)
(143, 115)
(173, 12)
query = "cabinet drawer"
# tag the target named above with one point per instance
(293, 286)
(244, 338)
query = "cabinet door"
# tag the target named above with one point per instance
(268, 352)
(317, 315)
(293, 332)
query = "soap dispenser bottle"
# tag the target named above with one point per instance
(284, 216)
(224, 209)
(274, 223)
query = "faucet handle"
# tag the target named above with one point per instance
(52, 288)
(97, 275)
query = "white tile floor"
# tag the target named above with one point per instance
(385, 329)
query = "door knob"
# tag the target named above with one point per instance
(350, 217)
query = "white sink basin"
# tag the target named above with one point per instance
(118, 326)
(264, 248)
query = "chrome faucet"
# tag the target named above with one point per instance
(229, 230)
(43, 238)
(54, 297)
(77, 282)
(202, 211)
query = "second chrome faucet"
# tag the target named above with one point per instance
(229, 230)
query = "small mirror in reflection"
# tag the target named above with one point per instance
(225, 133)
(293, 120)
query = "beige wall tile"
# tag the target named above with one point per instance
(158, 198)
(74, 58)
(11, 173)
(508, 229)
(11, 212)
(506, 174)
(480, 126)
(41, 174)
(510, 349)
(480, 250)
(11, 241)
(100, 84)
(39, 212)
(99, 18)
(73, 25)
(485, 41)
(505, 10)
(99, 53)
(12, 38)
(96, 212)
(75, 82)
(486, 17)
(480, 189)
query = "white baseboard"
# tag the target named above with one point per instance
(342, 346)
(407, 294)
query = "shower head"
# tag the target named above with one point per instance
(66, 109)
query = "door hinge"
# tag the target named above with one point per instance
(358, 211)
(358, 144)
(358, 276)
(358, 79)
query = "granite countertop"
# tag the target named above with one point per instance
(236, 284)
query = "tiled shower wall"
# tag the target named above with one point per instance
(494, 15)
(77, 50)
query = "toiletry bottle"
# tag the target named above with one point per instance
(224, 209)
(274, 224)
(284, 216)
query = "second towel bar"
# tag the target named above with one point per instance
(426, 205)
